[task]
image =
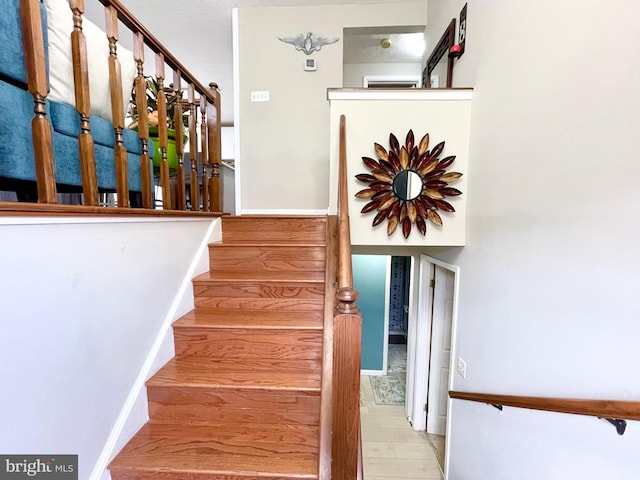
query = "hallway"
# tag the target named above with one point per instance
(392, 450)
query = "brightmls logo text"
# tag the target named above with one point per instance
(49, 467)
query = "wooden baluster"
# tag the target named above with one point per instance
(204, 154)
(163, 134)
(117, 107)
(193, 148)
(181, 201)
(215, 150)
(143, 121)
(32, 38)
(83, 105)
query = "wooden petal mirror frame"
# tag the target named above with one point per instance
(447, 40)
(408, 184)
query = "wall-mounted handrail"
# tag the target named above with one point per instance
(614, 411)
(347, 336)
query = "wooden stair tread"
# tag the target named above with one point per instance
(268, 365)
(254, 319)
(277, 276)
(269, 243)
(230, 373)
(238, 450)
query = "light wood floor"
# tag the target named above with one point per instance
(392, 450)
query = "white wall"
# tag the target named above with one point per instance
(84, 302)
(548, 301)
(353, 73)
(371, 120)
(283, 143)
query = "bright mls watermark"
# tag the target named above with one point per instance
(50, 467)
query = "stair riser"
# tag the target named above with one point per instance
(255, 445)
(243, 437)
(259, 303)
(265, 229)
(232, 258)
(233, 399)
(208, 413)
(287, 344)
(201, 414)
(308, 290)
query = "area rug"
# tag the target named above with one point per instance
(397, 358)
(390, 389)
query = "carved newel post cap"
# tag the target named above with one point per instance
(346, 298)
(213, 85)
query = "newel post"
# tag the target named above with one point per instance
(346, 301)
(347, 334)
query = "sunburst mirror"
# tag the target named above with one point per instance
(408, 184)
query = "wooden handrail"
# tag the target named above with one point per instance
(56, 209)
(619, 409)
(133, 24)
(345, 274)
(347, 344)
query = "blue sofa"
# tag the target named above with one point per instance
(17, 164)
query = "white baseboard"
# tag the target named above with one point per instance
(373, 373)
(313, 212)
(199, 264)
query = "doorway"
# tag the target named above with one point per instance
(430, 356)
(383, 56)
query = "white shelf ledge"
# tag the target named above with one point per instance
(400, 94)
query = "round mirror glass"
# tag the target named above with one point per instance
(407, 185)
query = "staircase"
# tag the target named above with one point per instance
(241, 398)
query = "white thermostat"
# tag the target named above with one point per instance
(310, 64)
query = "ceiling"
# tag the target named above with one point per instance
(198, 33)
(363, 45)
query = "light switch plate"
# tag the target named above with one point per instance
(462, 367)
(260, 96)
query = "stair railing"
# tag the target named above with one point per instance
(347, 334)
(616, 412)
(202, 108)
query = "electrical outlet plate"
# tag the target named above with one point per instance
(260, 96)
(462, 367)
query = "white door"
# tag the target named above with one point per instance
(440, 350)
(418, 348)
